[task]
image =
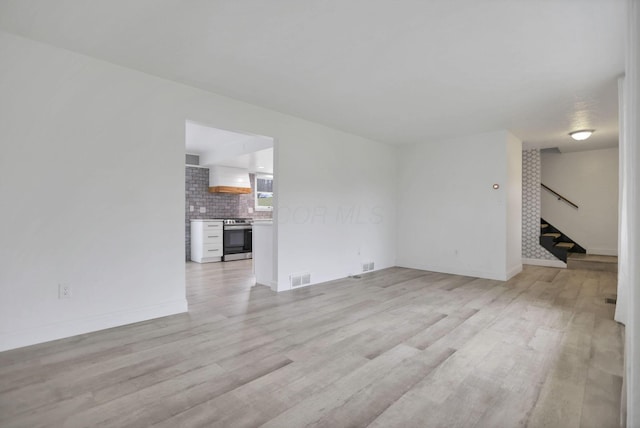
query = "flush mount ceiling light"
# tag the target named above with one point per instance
(583, 134)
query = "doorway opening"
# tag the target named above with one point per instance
(230, 185)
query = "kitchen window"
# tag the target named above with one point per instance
(264, 192)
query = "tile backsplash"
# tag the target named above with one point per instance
(217, 205)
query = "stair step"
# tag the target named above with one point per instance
(544, 226)
(554, 235)
(567, 245)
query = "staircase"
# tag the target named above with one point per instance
(557, 243)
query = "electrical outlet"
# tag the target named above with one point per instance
(250, 210)
(203, 210)
(191, 208)
(64, 291)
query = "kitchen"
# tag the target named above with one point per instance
(228, 186)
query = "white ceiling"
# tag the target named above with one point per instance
(395, 71)
(221, 147)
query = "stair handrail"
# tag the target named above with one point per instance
(560, 197)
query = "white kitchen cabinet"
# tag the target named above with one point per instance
(206, 241)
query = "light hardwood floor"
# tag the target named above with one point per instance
(396, 348)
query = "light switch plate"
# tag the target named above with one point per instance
(203, 210)
(191, 209)
(250, 210)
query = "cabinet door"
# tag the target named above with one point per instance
(211, 250)
(208, 226)
(212, 237)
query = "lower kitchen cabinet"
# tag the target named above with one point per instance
(206, 241)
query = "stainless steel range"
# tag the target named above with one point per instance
(237, 239)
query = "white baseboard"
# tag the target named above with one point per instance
(514, 271)
(464, 272)
(271, 284)
(46, 333)
(547, 263)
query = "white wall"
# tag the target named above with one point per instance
(450, 218)
(513, 195)
(92, 184)
(590, 180)
(336, 206)
(629, 260)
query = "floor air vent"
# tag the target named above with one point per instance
(367, 267)
(300, 279)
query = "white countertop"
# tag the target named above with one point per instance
(263, 222)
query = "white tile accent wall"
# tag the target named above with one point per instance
(531, 174)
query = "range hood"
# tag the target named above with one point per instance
(225, 179)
